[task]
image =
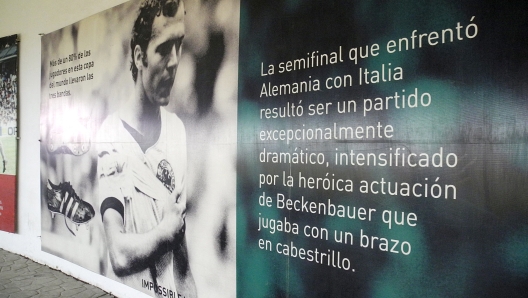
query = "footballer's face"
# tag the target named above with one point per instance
(162, 57)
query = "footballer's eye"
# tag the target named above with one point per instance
(170, 8)
(165, 48)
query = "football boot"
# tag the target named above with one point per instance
(62, 199)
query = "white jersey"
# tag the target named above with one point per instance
(141, 181)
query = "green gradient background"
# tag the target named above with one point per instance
(474, 246)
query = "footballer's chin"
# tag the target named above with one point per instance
(163, 100)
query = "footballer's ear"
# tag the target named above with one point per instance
(138, 56)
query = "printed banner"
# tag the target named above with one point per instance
(382, 149)
(138, 151)
(352, 149)
(8, 131)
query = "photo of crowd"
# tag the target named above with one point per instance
(8, 82)
(8, 101)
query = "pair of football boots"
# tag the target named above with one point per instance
(62, 198)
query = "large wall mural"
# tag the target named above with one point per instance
(290, 148)
(138, 145)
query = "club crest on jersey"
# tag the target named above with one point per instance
(165, 174)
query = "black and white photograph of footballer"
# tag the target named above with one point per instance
(138, 145)
(142, 161)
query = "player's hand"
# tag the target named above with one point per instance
(173, 218)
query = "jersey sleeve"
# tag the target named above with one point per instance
(110, 169)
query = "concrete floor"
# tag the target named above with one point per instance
(21, 277)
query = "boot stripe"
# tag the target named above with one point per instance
(68, 208)
(63, 201)
(73, 210)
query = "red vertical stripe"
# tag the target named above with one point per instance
(8, 205)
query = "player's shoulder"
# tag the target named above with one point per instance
(110, 128)
(172, 120)
(110, 121)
